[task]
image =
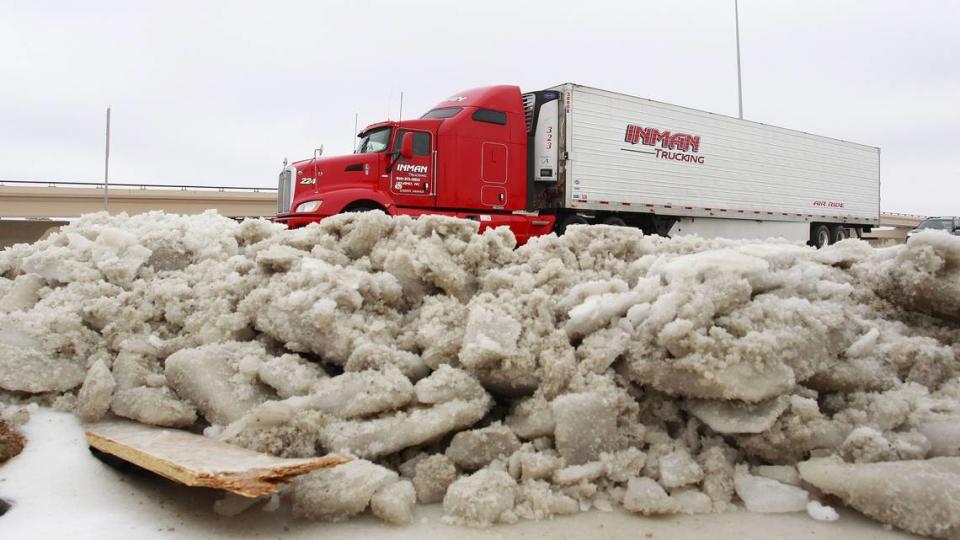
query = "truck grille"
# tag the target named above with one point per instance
(528, 102)
(285, 191)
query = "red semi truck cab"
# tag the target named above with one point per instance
(467, 157)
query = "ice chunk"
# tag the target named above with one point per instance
(575, 474)
(394, 502)
(433, 475)
(96, 393)
(210, 377)
(362, 393)
(381, 436)
(531, 418)
(481, 499)
(537, 465)
(623, 465)
(336, 493)
(737, 417)
(535, 500)
(645, 496)
(471, 450)
(586, 425)
(446, 384)
(786, 474)
(679, 469)
(491, 335)
(766, 495)
(821, 512)
(944, 435)
(691, 501)
(157, 406)
(922, 497)
(290, 375)
(374, 356)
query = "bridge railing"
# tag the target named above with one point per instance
(142, 186)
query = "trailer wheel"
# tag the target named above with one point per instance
(838, 233)
(615, 221)
(819, 236)
(572, 219)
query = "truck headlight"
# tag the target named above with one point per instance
(309, 206)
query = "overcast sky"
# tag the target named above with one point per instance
(219, 93)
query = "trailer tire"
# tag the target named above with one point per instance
(614, 221)
(838, 233)
(820, 236)
(566, 221)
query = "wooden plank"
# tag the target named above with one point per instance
(199, 461)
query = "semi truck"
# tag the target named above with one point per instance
(539, 162)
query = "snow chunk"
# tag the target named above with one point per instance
(96, 393)
(679, 469)
(382, 436)
(471, 450)
(922, 497)
(432, 476)
(737, 417)
(157, 406)
(336, 493)
(290, 375)
(821, 512)
(446, 384)
(481, 499)
(645, 496)
(362, 393)
(215, 378)
(765, 495)
(394, 502)
(586, 425)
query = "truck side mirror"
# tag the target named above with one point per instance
(406, 146)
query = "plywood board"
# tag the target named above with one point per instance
(199, 461)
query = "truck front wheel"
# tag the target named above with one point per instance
(566, 221)
(819, 236)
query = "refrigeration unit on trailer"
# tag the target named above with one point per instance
(542, 161)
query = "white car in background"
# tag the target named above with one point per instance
(951, 224)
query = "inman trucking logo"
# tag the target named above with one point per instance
(411, 168)
(684, 146)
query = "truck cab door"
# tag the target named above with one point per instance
(413, 180)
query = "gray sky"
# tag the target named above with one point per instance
(219, 93)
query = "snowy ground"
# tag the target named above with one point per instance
(59, 490)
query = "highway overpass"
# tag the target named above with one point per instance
(71, 199)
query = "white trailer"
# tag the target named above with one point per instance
(689, 171)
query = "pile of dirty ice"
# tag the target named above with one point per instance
(599, 369)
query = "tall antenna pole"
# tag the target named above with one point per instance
(400, 119)
(106, 167)
(736, 15)
(355, 116)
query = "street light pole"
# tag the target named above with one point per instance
(106, 167)
(736, 15)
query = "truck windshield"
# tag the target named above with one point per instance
(941, 224)
(374, 141)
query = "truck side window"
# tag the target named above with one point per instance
(490, 116)
(421, 142)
